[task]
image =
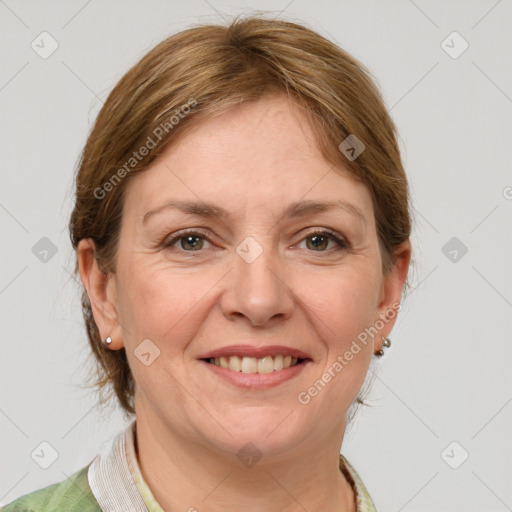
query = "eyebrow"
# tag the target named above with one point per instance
(296, 210)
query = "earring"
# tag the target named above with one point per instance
(386, 342)
(108, 340)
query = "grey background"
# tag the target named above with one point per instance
(447, 375)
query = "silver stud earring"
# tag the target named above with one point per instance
(386, 342)
(108, 340)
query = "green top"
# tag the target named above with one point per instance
(71, 495)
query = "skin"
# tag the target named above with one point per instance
(253, 161)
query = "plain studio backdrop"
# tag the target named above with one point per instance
(437, 437)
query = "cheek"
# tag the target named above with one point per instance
(342, 316)
(344, 303)
(354, 315)
(163, 305)
(165, 309)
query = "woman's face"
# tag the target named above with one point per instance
(248, 270)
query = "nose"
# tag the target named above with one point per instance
(258, 290)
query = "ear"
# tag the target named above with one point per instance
(101, 289)
(391, 292)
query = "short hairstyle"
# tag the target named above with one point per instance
(203, 72)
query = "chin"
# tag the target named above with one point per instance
(264, 433)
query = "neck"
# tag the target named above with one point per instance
(183, 475)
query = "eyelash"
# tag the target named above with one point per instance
(342, 243)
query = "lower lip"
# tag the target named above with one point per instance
(256, 380)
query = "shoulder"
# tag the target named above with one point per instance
(72, 495)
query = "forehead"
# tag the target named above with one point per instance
(259, 154)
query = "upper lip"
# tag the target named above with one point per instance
(253, 351)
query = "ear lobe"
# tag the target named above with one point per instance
(101, 290)
(392, 287)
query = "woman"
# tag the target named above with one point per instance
(242, 234)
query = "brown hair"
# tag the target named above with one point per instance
(200, 73)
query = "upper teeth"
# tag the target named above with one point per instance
(244, 364)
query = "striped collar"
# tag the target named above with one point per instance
(117, 484)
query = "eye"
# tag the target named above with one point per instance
(190, 241)
(319, 240)
(316, 241)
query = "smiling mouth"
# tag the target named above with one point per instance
(262, 365)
